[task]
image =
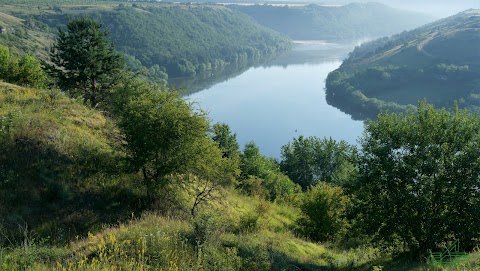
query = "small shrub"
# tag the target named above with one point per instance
(324, 208)
(255, 257)
(249, 222)
(207, 227)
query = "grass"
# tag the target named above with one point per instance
(214, 240)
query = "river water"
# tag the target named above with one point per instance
(283, 99)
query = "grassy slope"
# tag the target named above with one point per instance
(23, 37)
(164, 243)
(59, 158)
(235, 230)
(423, 46)
(156, 242)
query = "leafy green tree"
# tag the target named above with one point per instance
(161, 130)
(26, 71)
(260, 172)
(7, 64)
(30, 72)
(85, 61)
(211, 171)
(310, 160)
(324, 209)
(165, 137)
(419, 178)
(226, 140)
(254, 163)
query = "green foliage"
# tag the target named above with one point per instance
(419, 178)
(161, 130)
(253, 162)
(25, 71)
(206, 227)
(192, 40)
(308, 161)
(180, 40)
(227, 141)
(249, 222)
(85, 61)
(30, 72)
(261, 173)
(324, 210)
(165, 137)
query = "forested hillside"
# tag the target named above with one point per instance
(170, 40)
(352, 21)
(439, 62)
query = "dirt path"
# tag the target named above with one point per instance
(425, 42)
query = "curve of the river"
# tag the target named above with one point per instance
(272, 104)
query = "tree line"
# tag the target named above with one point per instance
(160, 40)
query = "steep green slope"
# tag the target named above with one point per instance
(234, 233)
(439, 62)
(178, 40)
(59, 166)
(351, 21)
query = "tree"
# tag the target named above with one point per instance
(210, 172)
(254, 163)
(26, 71)
(8, 64)
(419, 178)
(30, 72)
(162, 131)
(310, 160)
(165, 137)
(260, 172)
(324, 209)
(85, 61)
(226, 140)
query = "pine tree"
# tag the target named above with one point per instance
(85, 62)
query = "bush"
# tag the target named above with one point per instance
(324, 209)
(249, 222)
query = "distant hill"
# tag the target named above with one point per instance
(352, 21)
(439, 62)
(440, 8)
(174, 39)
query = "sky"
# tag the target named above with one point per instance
(437, 8)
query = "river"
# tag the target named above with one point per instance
(283, 99)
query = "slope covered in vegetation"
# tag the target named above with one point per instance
(348, 22)
(53, 152)
(170, 40)
(70, 199)
(439, 62)
(130, 176)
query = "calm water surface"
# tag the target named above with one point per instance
(284, 99)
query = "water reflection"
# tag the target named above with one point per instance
(273, 103)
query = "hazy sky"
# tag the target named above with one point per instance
(438, 8)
